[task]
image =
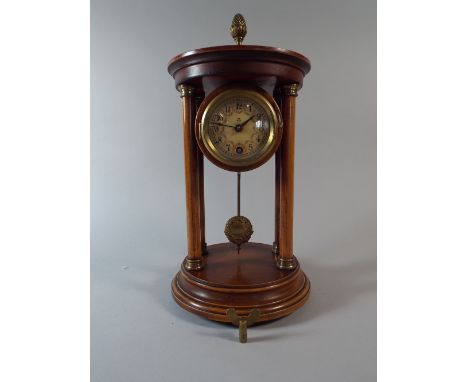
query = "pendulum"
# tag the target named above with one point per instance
(238, 229)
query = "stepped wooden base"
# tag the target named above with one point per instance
(243, 282)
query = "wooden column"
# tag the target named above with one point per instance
(275, 249)
(285, 259)
(193, 261)
(201, 188)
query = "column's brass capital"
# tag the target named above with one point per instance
(285, 264)
(291, 90)
(186, 90)
(193, 264)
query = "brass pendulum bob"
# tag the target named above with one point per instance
(238, 229)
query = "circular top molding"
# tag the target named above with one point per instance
(239, 63)
(239, 53)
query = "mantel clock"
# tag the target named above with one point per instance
(238, 111)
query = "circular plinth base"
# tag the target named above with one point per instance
(241, 281)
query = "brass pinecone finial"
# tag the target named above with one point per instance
(238, 28)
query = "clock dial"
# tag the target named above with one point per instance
(240, 128)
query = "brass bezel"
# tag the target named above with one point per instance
(259, 96)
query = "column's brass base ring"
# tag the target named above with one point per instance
(285, 264)
(193, 264)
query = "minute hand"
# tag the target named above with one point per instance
(221, 124)
(243, 123)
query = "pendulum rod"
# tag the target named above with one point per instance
(238, 201)
(238, 192)
(238, 228)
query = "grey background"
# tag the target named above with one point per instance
(138, 205)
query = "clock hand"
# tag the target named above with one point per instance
(243, 123)
(240, 126)
(221, 124)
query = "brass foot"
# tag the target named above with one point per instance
(286, 264)
(243, 322)
(193, 264)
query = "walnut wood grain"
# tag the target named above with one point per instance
(267, 67)
(243, 282)
(251, 279)
(286, 180)
(239, 53)
(201, 187)
(278, 100)
(192, 190)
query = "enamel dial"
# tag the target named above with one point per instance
(239, 129)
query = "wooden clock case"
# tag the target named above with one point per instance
(215, 278)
